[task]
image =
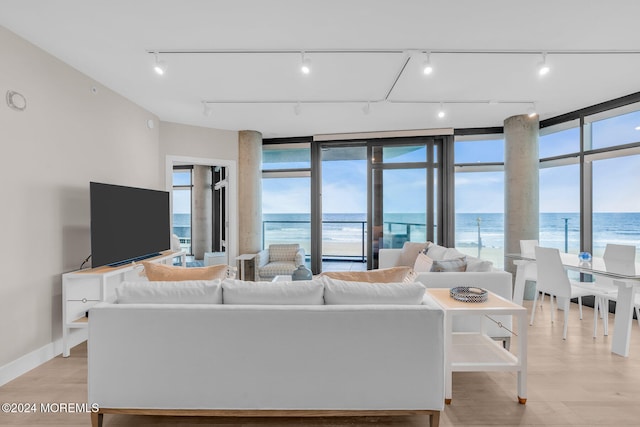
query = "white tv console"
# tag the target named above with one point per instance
(84, 288)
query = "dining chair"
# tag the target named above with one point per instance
(553, 279)
(527, 249)
(614, 254)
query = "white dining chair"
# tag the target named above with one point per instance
(619, 255)
(527, 249)
(552, 279)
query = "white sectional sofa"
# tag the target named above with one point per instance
(265, 349)
(488, 277)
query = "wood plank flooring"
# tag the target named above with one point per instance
(577, 382)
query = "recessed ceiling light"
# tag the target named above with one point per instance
(531, 112)
(441, 112)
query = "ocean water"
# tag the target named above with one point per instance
(350, 229)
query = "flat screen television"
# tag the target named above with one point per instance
(127, 223)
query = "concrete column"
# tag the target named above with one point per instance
(521, 195)
(249, 191)
(202, 215)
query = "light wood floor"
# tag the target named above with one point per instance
(577, 382)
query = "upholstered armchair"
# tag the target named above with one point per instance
(282, 259)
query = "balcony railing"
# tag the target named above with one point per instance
(340, 239)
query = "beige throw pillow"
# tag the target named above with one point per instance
(410, 251)
(423, 263)
(384, 275)
(157, 272)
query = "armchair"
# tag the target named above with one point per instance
(282, 259)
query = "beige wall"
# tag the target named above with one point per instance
(193, 141)
(67, 136)
(73, 131)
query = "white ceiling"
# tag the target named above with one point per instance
(110, 41)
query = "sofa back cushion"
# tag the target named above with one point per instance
(356, 293)
(157, 272)
(283, 252)
(383, 275)
(302, 292)
(436, 252)
(182, 292)
(410, 251)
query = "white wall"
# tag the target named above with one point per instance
(66, 137)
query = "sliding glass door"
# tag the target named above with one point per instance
(344, 202)
(402, 195)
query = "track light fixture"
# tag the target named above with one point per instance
(441, 112)
(427, 68)
(367, 108)
(305, 66)
(206, 109)
(543, 67)
(160, 67)
(297, 109)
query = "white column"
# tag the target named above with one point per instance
(521, 193)
(250, 191)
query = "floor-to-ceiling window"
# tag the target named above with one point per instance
(286, 194)
(479, 196)
(559, 187)
(392, 183)
(344, 202)
(402, 194)
(613, 149)
(181, 194)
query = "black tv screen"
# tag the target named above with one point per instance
(127, 223)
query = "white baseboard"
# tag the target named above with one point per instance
(24, 364)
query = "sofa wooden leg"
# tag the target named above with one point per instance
(434, 420)
(96, 419)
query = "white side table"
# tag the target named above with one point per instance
(246, 264)
(477, 352)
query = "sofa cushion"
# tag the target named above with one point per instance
(181, 292)
(343, 292)
(423, 263)
(452, 253)
(302, 292)
(283, 252)
(410, 251)
(157, 272)
(478, 265)
(456, 264)
(436, 252)
(383, 275)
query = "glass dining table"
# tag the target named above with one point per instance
(626, 276)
